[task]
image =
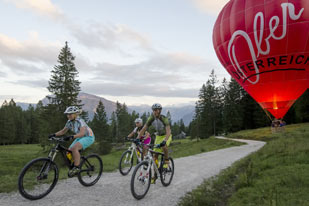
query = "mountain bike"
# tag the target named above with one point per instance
(126, 159)
(142, 174)
(39, 177)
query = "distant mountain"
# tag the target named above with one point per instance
(91, 102)
(25, 106)
(185, 113)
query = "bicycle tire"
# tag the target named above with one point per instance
(123, 157)
(29, 182)
(90, 165)
(141, 179)
(169, 171)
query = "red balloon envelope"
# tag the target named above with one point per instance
(264, 45)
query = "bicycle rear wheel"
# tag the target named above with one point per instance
(140, 180)
(38, 178)
(91, 169)
(125, 163)
(166, 174)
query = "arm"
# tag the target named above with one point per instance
(62, 132)
(141, 133)
(168, 132)
(81, 133)
(131, 134)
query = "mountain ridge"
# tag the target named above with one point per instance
(90, 103)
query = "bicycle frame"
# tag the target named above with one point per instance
(133, 148)
(151, 162)
(59, 148)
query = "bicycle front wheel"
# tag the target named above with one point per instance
(91, 169)
(125, 163)
(166, 174)
(140, 180)
(38, 178)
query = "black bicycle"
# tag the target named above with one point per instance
(39, 176)
(142, 174)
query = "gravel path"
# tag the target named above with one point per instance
(114, 189)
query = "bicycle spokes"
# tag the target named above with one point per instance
(91, 170)
(140, 181)
(126, 162)
(38, 178)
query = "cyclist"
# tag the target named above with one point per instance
(83, 137)
(163, 133)
(146, 139)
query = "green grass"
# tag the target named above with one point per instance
(278, 174)
(14, 157)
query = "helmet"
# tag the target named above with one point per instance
(138, 120)
(72, 110)
(156, 106)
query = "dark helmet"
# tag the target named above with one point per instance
(156, 106)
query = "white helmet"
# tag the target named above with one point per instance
(72, 110)
(138, 120)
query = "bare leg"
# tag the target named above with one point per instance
(76, 155)
(165, 151)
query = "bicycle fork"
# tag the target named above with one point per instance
(46, 167)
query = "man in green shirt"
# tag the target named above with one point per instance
(163, 131)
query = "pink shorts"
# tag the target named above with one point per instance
(147, 140)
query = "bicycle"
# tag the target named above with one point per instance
(39, 177)
(126, 159)
(141, 177)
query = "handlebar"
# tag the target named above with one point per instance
(57, 139)
(141, 143)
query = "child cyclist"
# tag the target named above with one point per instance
(146, 139)
(83, 137)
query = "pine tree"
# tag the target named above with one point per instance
(302, 107)
(113, 127)
(182, 127)
(64, 87)
(63, 83)
(123, 122)
(208, 114)
(232, 109)
(101, 129)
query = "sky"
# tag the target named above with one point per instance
(135, 52)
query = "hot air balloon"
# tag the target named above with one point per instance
(264, 45)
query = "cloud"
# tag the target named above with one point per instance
(166, 69)
(164, 75)
(32, 49)
(210, 7)
(111, 38)
(137, 90)
(41, 7)
(3, 75)
(42, 83)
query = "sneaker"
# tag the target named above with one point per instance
(74, 171)
(153, 180)
(166, 164)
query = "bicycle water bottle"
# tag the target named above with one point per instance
(157, 162)
(138, 153)
(69, 156)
